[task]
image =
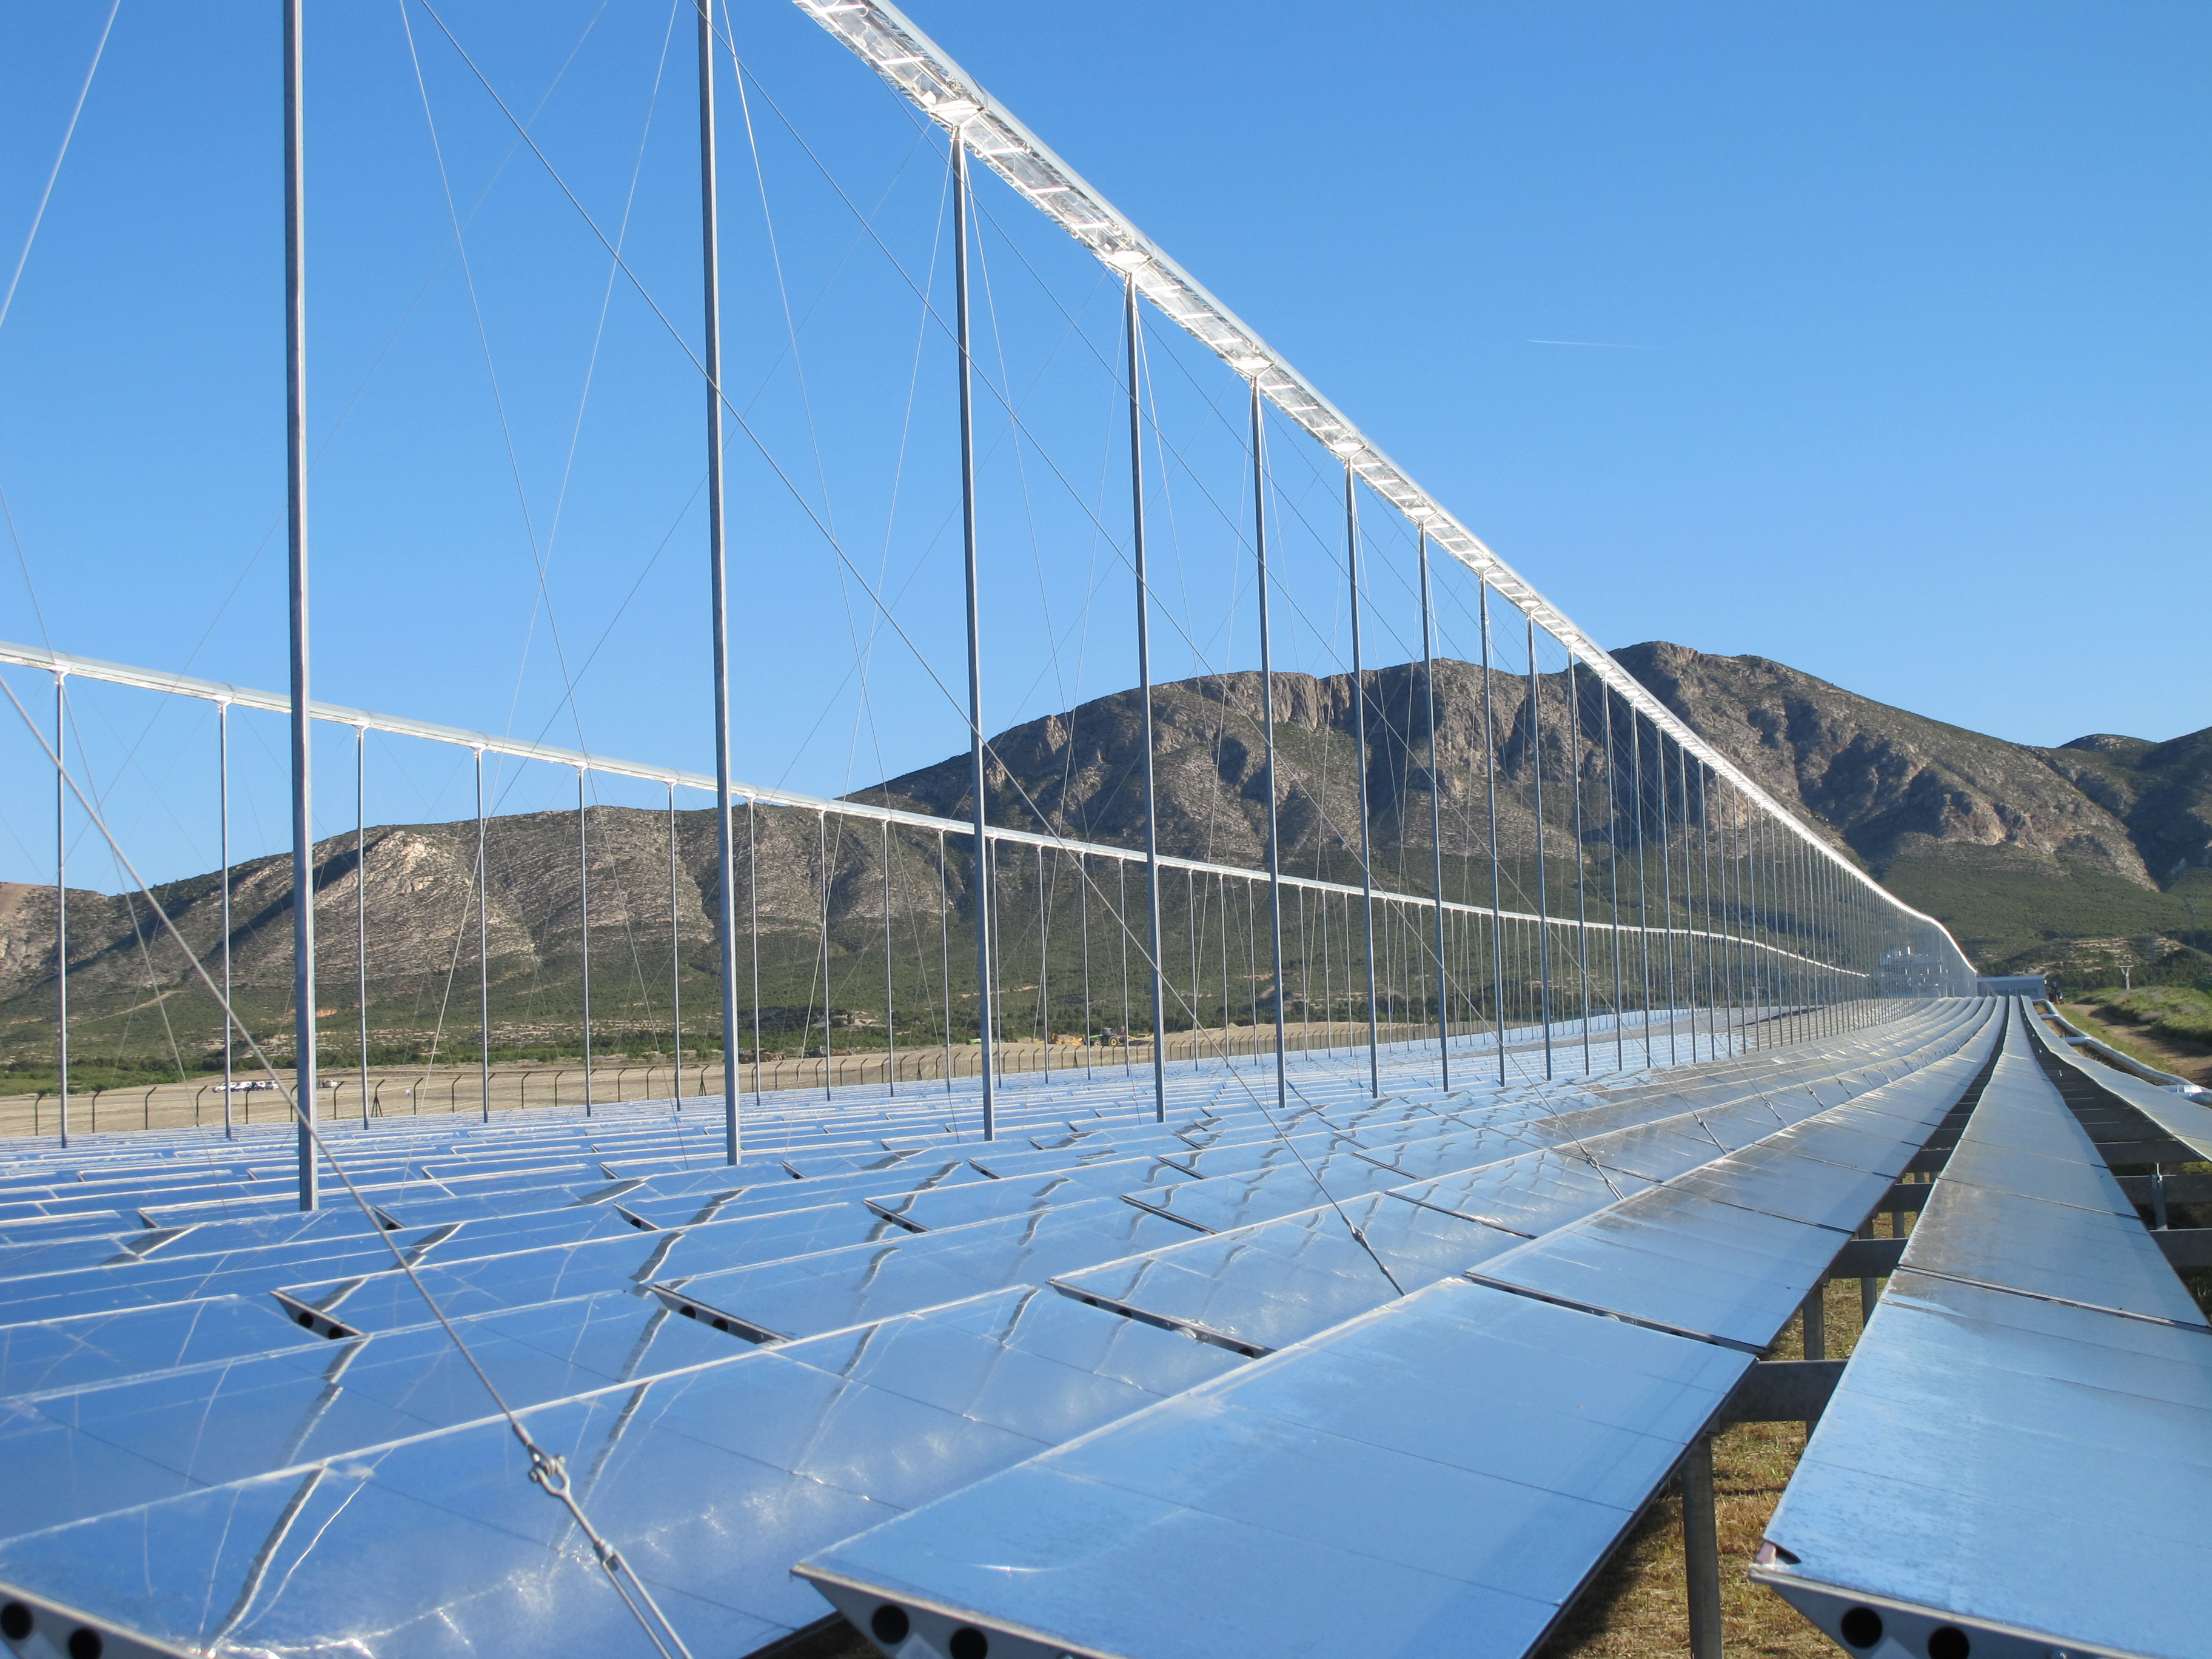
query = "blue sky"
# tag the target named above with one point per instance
(1871, 338)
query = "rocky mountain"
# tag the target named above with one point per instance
(2019, 848)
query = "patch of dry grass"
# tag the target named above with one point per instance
(1639, 1606)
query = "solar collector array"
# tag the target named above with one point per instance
(823, 1461)
(2019, 1458)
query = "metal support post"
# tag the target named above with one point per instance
(1267, 719)
(222, 831)
(1435, 809)
(822, 856)
(484, 950)
(1613, 873)
(1701, 1554)
(890, 1006)
(675, 958)
(61, 906)
(584, 925)
(1582, 894)
(296, 456)
(1153, 958)
(1755, 955)
(1643, 914)
(752, 934)
(1496, 880)
(361, 900)
(1543, 903)
(1044, 965)
(1815, 1317)
(718, 595)
(1361, 761)
(944, 954)
(1666, 893)
(1083, 919)
(961, 209)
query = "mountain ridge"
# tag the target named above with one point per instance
(2033, 856)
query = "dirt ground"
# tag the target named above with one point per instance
(2191, 1059)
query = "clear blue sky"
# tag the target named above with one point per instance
(1870, 337)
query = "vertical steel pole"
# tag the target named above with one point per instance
(361, 899)
(1121, 920)
(675, 958)
(752, 934)
(821, 851)
(222, 831)
(1496, 885)
(961, 208)
(1667, 893)
(1701, 1556)
(1435, 808)
(584, 926)
(1613, 872)
(1642, 914)
(1582, 894)
(718, 596)
(1221, 891)
(1197, 999)
(1716, 936)
(1543, 900)
(61, 903)
(484, 950)
(1154, 959)
(1754, 958)
(1361, 760)
(1044, 965)
(1083, 914)
(1679, 799)
(890, 1006)
(1731, 980)
(1267, 719)
(296, 456)
(945, 950)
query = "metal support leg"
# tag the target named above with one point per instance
(1363, 761)
(891, 1000)
(1496, 893)
(1155, 962)
(584, 927)
(1268, 718)
(675, 958)
(223, 812)
(1701, 1554)
(1543, 899)
(982, 803)
(484, 951)
(61, 899)
(295, 460)
(725, 915)
(361, 900)
(1436, 807)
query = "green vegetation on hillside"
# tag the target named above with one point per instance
(2181, 1012)
(2004, 904)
